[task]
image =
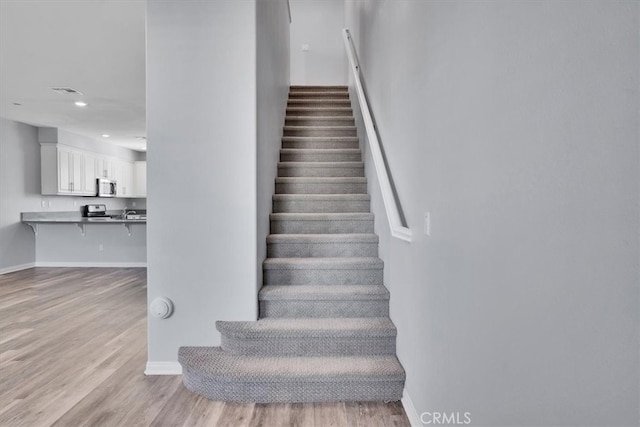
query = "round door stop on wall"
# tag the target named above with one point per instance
(161, 307)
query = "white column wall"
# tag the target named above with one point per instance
(201, 168)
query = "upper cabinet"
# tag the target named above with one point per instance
(73, 172)
(63, 171)
(123, 175)
(106, 168)
(140, 178)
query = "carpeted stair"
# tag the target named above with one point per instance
(324, 332)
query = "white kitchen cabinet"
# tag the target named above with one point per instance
(124, 178)
(140, 178)
(106, 168)
(62, 170)
(70, 171)
(90, 174)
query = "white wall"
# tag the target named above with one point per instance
(201, 168)
(516, 125)
(317, 23)
(272, 55)
(19, 192)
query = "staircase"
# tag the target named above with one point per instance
(324, 333)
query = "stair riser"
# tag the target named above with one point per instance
(319, 112)
(320, 121)
(320, 144)
(320, 206)
(323, 103)
(320, 157)
(323, 277)
(312, 188)
(324, 309)
(308, 171)
(289, 392)
(297, 88)
(309, 346)
(321, 227)
(318, 95)
(320, 131)
(322, 250)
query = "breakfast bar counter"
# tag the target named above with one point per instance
(33, 219)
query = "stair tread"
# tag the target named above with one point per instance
(320, 180)
(318, 108)
(329, 263)
(309, 327)
(295, 127)
(327, 197)
(320, 138)
(321, 164)
(308, 87)
(323, 238)
(293, 117)
(300, 100)
(320, 150)
(323, 292)
(324, 92)
(212, 361)
(342, 216)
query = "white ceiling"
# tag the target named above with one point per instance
(94, 46)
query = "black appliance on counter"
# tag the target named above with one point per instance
(92, 211)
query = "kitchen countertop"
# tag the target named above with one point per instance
(73, 218)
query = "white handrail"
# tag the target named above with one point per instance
(393, 212)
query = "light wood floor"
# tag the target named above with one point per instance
(73, 350)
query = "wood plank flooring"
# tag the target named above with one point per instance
(73, 351)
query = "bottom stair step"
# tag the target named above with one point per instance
(218, 375)
(309, 337)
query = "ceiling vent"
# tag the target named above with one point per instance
(66, 90)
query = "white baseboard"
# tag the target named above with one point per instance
(163, 368)
(14, 268)
(90, 264)
(410, 410)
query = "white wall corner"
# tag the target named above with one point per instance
(410, 410)
(163, 368)
(14, 268)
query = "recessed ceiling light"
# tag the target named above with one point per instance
(105, 135)
(80, 103)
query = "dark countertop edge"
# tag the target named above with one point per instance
(82, 221)
(70, 218)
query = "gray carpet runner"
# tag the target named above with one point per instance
(324, 332)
